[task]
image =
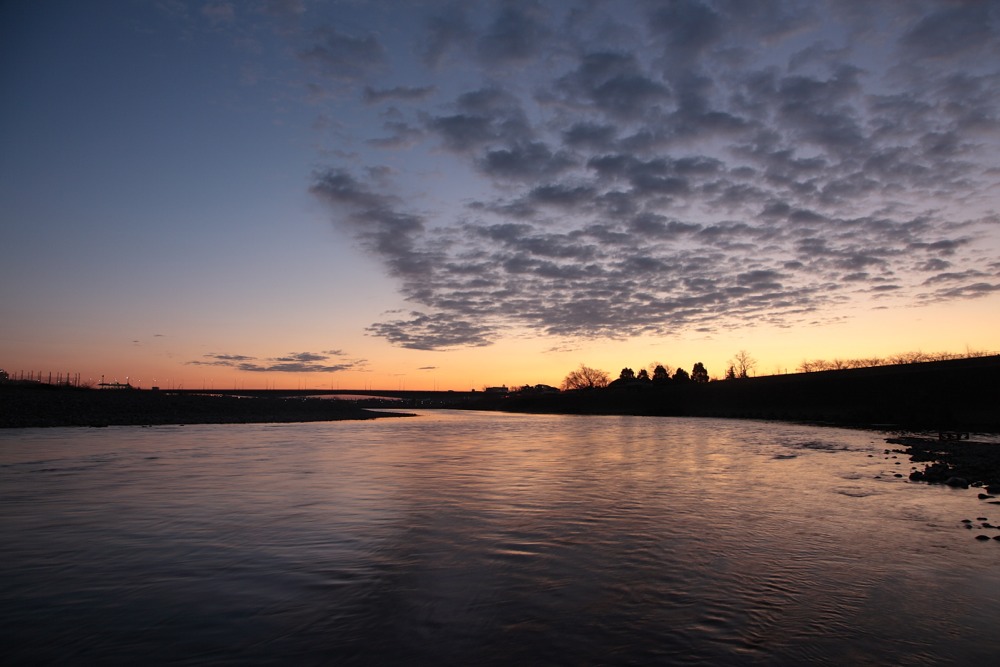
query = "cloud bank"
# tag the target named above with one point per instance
(656, 167)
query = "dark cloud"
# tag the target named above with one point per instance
(377, 220)
(516, 34)
(590, 136)
(955, 29)
(688, 27)
(432, 332)
(486, 117)
(684, 165)
(525, 161)
(444, 32)
(612, 83)
(293, 362)
(344, 57)
(400, 133)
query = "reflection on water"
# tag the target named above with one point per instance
(457, 538)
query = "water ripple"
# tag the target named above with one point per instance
(459, 538)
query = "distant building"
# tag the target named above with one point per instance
(502, 389)
(115, 385)
(538, 389)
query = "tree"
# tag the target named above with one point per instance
(627, 374)
(743, 364)
(660, 374)
(681, 375)
(585, 378)
(731, 373)
(643, 375)
(699, 373)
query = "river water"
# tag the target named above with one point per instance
(485, 538)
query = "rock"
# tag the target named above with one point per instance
(916, 476)
(966, 520)
(982, 538)
(982, 518)
(957, 482)
(983, 496)
(897, 475)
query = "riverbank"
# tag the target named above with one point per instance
(24, 406)
(955, 462)
(955, 395)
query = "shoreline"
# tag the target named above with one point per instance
(956, 463)
(961, 463)
(48, 407)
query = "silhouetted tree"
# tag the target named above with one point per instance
(627, 374)
(643, 375)
(699, 373)
(731, 372)
(681, 375)
(585, 378)
(660, 374)
(743, 364)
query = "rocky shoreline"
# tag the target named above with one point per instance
(961, 464)
(958, 463)
(46, 406)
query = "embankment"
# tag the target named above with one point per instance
(946, 395)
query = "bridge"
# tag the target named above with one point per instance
(363, 397)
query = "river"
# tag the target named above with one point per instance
(486, 538)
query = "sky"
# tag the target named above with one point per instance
(453, 195)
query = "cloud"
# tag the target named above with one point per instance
(344, 57)
(613, 83)
(953, 30)
(400, 135)
(443, 33)
(524, 161)
(516, 34)
(485, 117)
(432, 332)
(683, 178)
(293, 362)
(688, 27)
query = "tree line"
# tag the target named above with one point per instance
(810, 366)
(586, 377)
(742, 365)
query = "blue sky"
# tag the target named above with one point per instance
(306, 193)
